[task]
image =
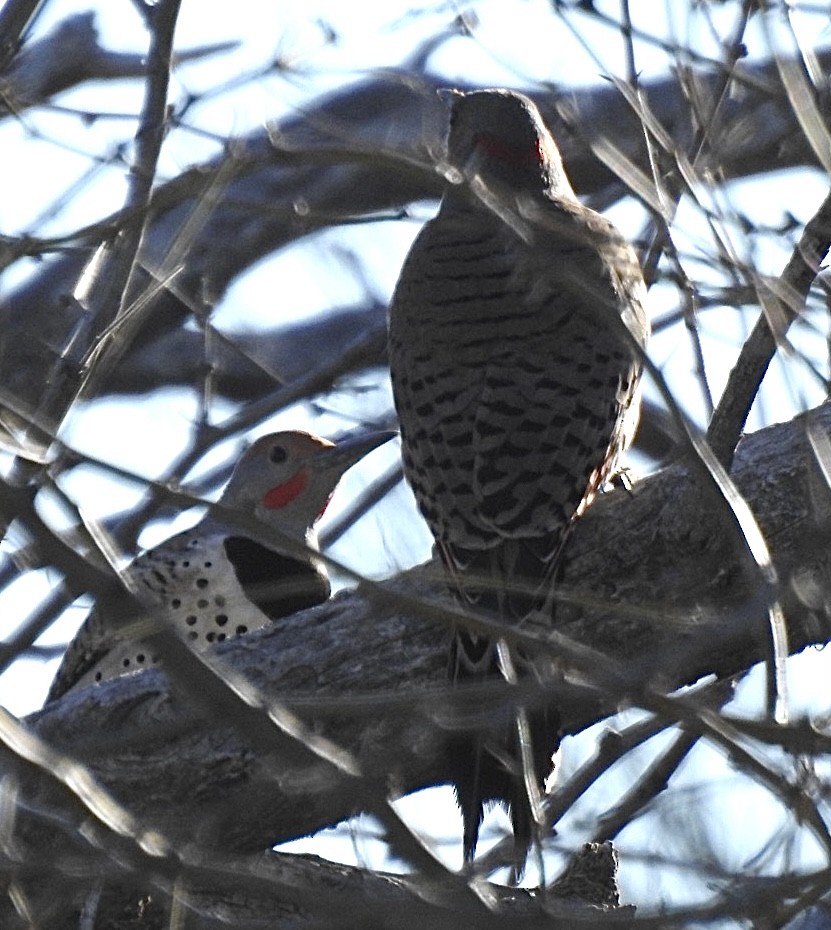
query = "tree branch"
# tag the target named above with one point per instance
(367, 149)
(781, 301)
(366, 670)
(69, 56)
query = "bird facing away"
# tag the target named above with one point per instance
(215, 581)
(515, 339)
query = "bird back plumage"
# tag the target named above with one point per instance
(514, 340)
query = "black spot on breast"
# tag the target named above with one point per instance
(278, 584)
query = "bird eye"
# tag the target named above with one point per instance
(277, 454)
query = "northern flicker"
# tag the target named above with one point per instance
(515, 338)
(215, 581)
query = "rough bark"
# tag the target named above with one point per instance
(660, 593)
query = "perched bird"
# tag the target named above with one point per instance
(515, 338)
(216, 581)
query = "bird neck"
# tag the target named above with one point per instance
(460, 201)
(270, 534)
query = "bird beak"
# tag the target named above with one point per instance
(348, 451)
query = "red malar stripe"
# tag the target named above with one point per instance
(286, 492)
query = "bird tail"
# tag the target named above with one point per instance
(505, 753)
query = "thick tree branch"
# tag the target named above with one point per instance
(70, 55)
(347, 705)
(781, 302)
(366, 673)
(653, 583)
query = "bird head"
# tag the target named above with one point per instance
(286, 479)
(500, 136)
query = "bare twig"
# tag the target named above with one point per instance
(657, 776)
(115, 284)
(781, 301)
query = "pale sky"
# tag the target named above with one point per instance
(525, 46)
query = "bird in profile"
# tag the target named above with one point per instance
(216, 581)
(516, 334)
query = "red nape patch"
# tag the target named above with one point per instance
(286, 492)
(506, 152)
